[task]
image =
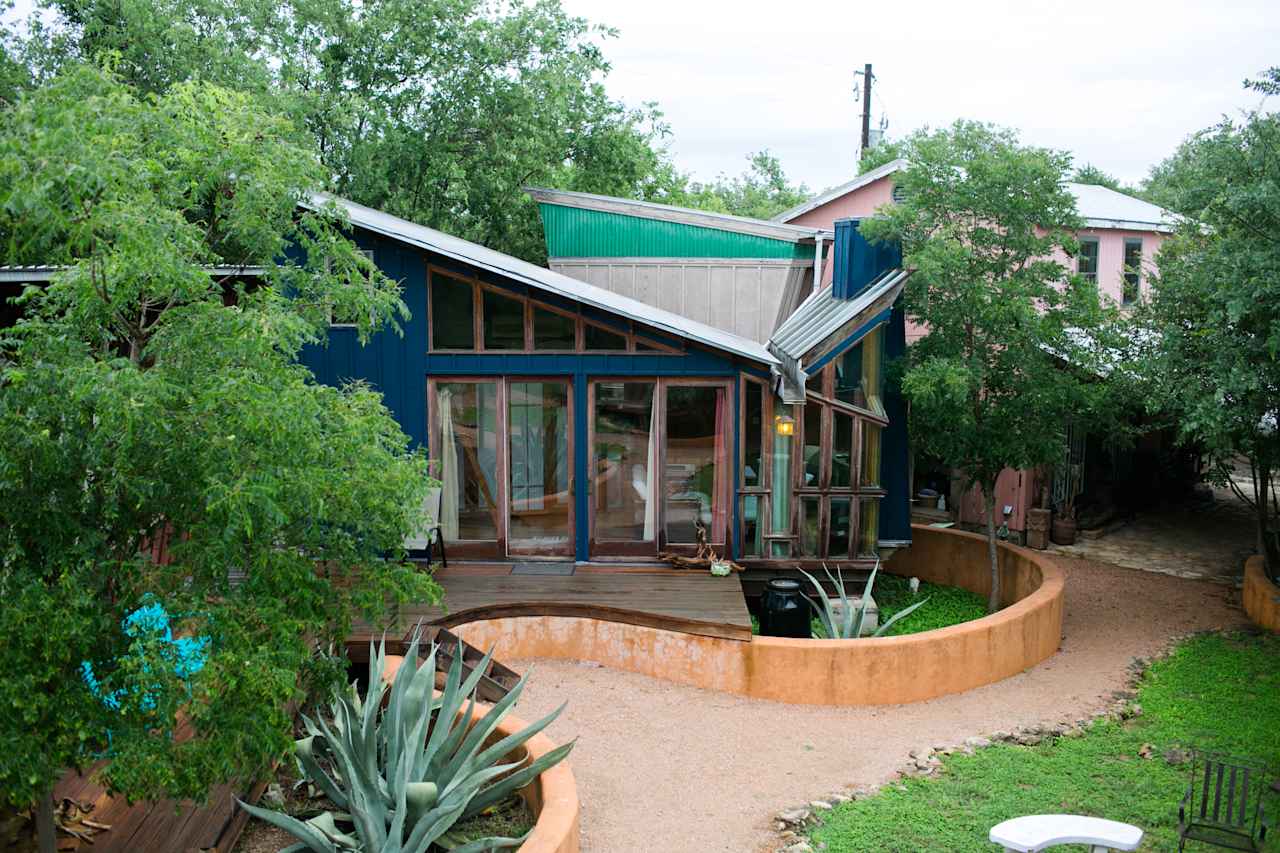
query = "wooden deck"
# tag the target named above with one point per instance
(164, 825)
(687, 602)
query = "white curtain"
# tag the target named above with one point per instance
(651, 470)
(449, 480)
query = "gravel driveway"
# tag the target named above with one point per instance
(664, 767)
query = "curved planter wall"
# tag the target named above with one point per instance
(1261, 596)
(553, 796)
(876, 671)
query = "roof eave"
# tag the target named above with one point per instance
(683, 215)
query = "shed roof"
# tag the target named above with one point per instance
(822, 316)
(543, 279)
(43, 272)
(1101, 207)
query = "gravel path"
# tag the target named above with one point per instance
(666, 767)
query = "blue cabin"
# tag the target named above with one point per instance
(567, 420)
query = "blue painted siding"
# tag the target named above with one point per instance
(398, 366)
(895, 448)
(858, 262)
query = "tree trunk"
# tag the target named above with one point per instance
(46, 832)
(989, 494)
(1261, 487)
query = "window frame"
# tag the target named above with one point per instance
(634, 334)
(1127, 296)
(1096, 243)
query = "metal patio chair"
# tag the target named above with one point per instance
(1223, 803)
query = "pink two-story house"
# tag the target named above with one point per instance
(1118, 246)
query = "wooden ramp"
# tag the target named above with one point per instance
(156, 826)
(682, 601)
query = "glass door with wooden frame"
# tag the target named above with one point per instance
(467, 446)
(540, 468)
(625, 483)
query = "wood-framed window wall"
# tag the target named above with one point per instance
(466, 314)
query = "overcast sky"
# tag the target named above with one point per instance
(1118, 83)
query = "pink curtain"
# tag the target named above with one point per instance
(720, 482)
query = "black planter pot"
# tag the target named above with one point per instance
(784, 611)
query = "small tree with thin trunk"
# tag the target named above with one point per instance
(1004, 366)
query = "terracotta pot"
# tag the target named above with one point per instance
(1064, 530)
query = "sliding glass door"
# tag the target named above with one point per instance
(624, 466)
(540, 468)
(699, 432)
(468, 448)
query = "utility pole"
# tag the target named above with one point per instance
(866, 109)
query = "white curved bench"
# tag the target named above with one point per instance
(1036, 832)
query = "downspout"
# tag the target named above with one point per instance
(817, 261)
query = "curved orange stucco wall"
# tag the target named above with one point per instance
(1261, 596)
(872, 671)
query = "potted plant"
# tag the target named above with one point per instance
(1063, 529)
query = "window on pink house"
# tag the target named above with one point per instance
(1132, 270)
(1087, 260)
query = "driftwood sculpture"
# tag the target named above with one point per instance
(702, 558)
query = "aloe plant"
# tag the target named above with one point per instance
(845, 625)
(402, 775)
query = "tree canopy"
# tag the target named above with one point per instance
(147, 397)
(1211, 333)
(1001, 370)
(761, 191)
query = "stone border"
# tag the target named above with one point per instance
(1261, 596)
(872, 671)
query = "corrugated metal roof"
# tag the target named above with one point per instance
(822, 315)
(543, 279)
(685, 215)
(578, 232)
(1101, 207)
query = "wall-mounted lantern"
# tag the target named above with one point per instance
(784, 424)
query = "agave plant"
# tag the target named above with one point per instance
(402, 775)
(844, 624)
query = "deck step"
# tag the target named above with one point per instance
(496, 681)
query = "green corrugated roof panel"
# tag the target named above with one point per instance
(574, 232)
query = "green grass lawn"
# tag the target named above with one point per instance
(947, 605)
(1214, 692)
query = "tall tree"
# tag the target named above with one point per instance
(145, 394)
(1003, 367)
(1212, 341)
(762, 191)
(438, 111)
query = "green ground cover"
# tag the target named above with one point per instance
(947, 605)
(1213, 692)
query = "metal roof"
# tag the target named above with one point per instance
(542, 278)
(844, 189)
(684, 215)
(821, 316)
(40, 272)
(1101, 207)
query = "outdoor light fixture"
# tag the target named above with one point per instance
(784, 424)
